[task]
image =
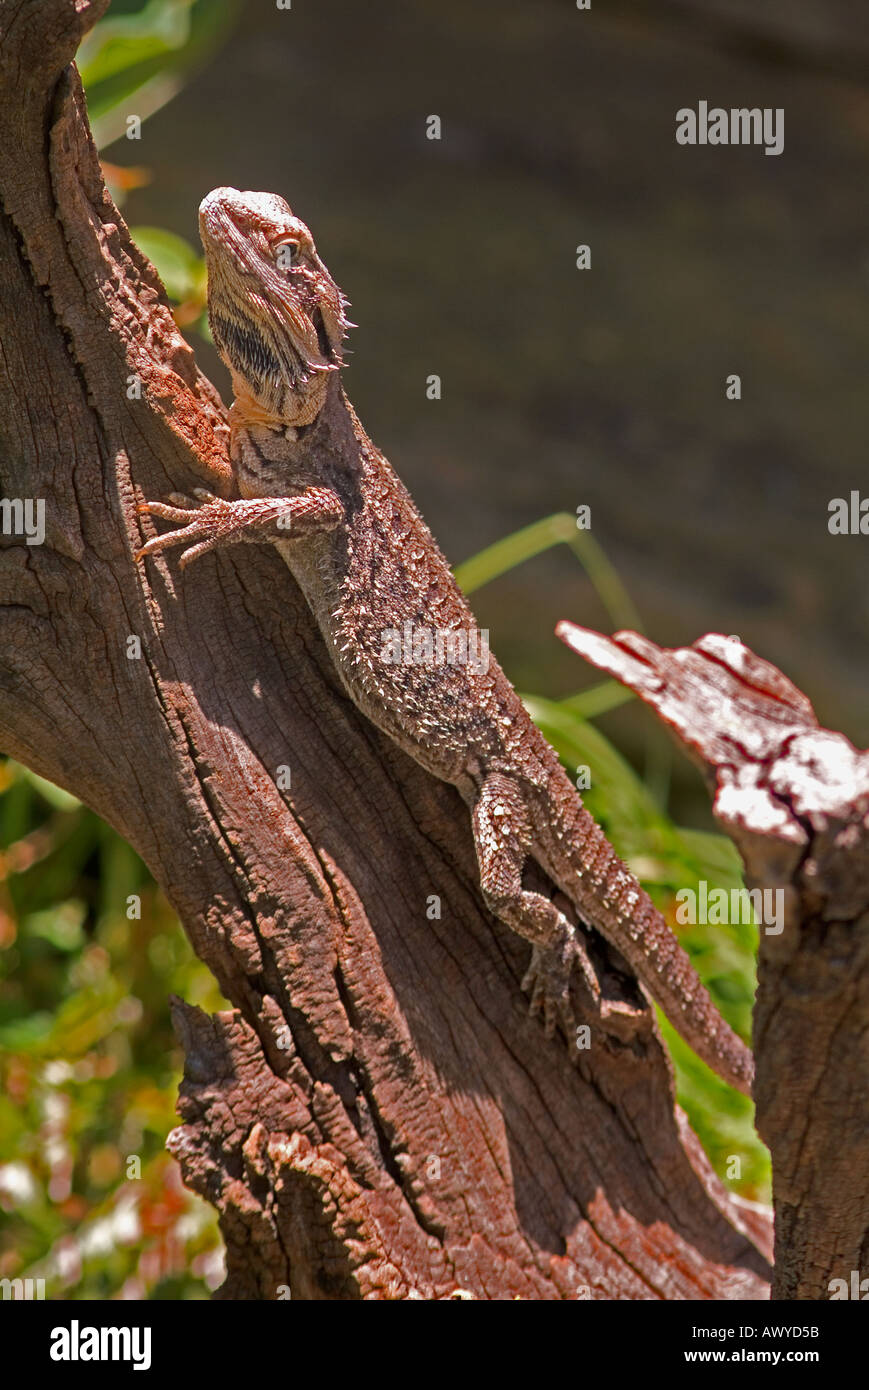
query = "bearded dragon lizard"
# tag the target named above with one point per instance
(312, 484)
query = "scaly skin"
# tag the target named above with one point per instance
(312, 483)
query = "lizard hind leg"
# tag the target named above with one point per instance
(503, 837)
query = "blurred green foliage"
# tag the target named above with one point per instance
(89, 1066)
(137, 58)
(132, 63)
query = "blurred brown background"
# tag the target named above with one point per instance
(604, 386)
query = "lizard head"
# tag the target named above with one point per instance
(277, 317)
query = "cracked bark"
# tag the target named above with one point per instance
(377, 1116)
(795, 800)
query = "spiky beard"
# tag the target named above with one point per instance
(285, 349)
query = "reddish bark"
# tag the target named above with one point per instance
(795, 800)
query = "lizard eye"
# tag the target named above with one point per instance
(287, 253)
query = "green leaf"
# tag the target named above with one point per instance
(27, 1034)
(560, 529)
(132, 64)
(56, 797)
(81, 1021)
(61, 925)
(179, 267)
(120, 43)
(597, 699)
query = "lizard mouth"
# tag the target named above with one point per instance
(326, 349)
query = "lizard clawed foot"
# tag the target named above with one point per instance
(547, 980)
(208, 522)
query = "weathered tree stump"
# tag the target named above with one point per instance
(795, 800)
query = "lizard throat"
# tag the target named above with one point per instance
(247, 351)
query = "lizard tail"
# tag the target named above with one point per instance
(607, 895)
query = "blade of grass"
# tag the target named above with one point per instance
(598, 699)
(559, 529)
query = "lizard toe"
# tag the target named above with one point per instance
(547, 980)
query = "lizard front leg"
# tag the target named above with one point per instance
(503, 837)
(257, 519)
